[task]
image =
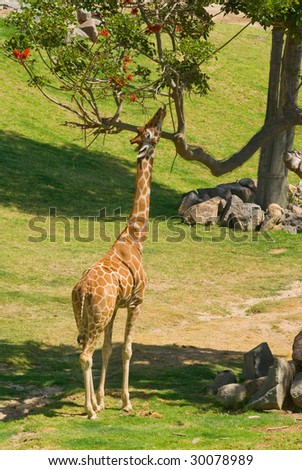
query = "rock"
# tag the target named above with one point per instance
(289, 229)
(224, 377)
(257, 361)
(201, 195)
(252, 385)
(240, 215)
(11, 6)
(89, 28)
(292, 222)
(244, 188)
(297, 349)
(293, 161)
(232, 395)
(248, 183)
(83, 15)
(87, 24)
(295, 209)
(206, 213)
(296, 390)
(292, 189)
(273, 216)
(299, 187)
(275, 391)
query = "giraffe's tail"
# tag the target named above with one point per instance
(82, 319)
(79, 300)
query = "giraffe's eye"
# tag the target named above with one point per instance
(148, 134)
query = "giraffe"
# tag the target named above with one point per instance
(117, 280)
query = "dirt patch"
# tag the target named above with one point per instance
(215, 334)
(219, 17)
(37, 399)
(295, 290)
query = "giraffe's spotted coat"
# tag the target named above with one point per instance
(118, 279)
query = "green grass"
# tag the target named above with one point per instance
(176, 353)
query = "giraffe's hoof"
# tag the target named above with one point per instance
(100, 403)
(92, 415)
(97, 407)
(127, 408)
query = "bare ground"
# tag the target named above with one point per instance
(274, 319)
(218, 17)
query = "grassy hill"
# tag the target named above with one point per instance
(196, 319)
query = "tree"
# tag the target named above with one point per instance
(139, 50)
(285, 18)
(128, 62)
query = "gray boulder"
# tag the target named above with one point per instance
(297, 349)
(205, 213)
(275, 391)
(253, 385)
(201, 195)
(296, 390)
(299, 188)
(240, 215)
(292, 222)
(232, 395)
(222, 378)
(257, 361)
(295, 209)
(293, 161)
(244, 188)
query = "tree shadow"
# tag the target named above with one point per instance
(39, 379)
(36, 176)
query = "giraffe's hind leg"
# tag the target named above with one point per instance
(133, 313)
(106, 353)
(91, 405)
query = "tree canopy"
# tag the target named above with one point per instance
(126, 52)
(282, 13)
(142, 50)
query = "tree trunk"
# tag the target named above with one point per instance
(282, 96)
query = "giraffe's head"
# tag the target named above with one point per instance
(149, 135)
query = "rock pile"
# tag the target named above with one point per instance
(10, 6)
(268, 382)
(232, 205)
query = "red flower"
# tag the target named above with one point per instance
(178, 28)
(127, 59)
(104, 32)
(21, 55)
(125, 2)
(130, 77)
(17, 54)
(153, 28)
(117, 82)
(134, 11)
(24, 55)
(134, 98)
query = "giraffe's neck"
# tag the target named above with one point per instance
(137, 225)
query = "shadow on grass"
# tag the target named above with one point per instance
(40, 379)
(36, 176)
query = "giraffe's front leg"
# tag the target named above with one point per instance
(133, 313)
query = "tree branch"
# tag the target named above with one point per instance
(220, 167)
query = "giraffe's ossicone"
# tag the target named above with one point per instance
(117, 280)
